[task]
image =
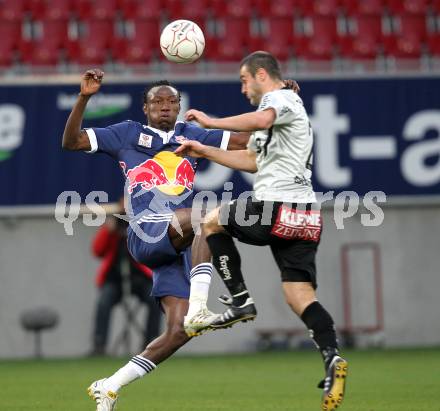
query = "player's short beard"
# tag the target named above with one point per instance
(166, 125)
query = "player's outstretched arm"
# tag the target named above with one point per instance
(257, 120)
(243, 160)
(238, 141)
(73, 137)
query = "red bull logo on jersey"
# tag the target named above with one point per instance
(167, 172)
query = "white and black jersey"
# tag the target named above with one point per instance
(284, 152)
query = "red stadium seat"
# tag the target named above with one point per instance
(52, 32)
(92, 46)
(12, 9)
(211, 44)
(10, 33)
(365, 35)
(41, 54)
(98, 32)
(194, 10)
(435, 4)
(51, 9)
(366, 26)
(146, 30)
(132, 9)
(281, 51)
(232, 8)
(403, 47)
(173, 8)
(318, 43)
(364, 7)
(279, 8)
(323, 26)
(433, 44)
(413, 26)
(142, 41)
(419, 7)
(359, 48)
(87, 52)
(315, 48)
(36, 8)
(233, 39)
(96, 9)
(236, 28)
(229, 49)
(91, 54)
(239, 8)
(320, 7)
(279, 37)
(133, 51)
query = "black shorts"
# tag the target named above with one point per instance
(292, 231)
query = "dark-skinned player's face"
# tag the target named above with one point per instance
(162, 107)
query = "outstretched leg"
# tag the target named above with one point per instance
(198, 315)
(227, 261)
(302, 300)
(104, 391)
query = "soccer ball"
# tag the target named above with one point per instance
(182, 41)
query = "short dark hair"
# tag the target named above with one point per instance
(157, 84)
(265, 60)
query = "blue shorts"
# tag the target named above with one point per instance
(153, 248)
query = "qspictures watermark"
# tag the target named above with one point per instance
(70, 207)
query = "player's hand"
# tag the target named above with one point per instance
(292, 84)
(199, 116)
(191, 148)
(91, 82)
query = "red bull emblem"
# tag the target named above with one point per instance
(165, 171)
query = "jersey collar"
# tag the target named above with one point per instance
(166, 135)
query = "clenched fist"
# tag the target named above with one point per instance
(91, 82)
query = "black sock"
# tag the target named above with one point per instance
(322, 330)
(227, 261)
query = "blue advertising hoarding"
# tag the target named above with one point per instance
(377, 134)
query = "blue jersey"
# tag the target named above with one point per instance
(157, 181)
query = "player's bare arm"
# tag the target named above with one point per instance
(73, 137)
(238, 141)
(258, 120)
(243, 160)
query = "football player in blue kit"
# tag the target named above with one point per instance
(159, 190)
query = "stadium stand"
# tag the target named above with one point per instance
(281, 8)
(131, 9)
(137, 47)
(51, 9)
(278, 36)
(45, 47)
(125, 32)
(10, 33)
(364, 8)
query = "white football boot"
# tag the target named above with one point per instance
(199, 323)
(105, 400)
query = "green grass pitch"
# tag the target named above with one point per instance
(395, 380)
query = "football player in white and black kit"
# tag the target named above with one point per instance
(283, 214)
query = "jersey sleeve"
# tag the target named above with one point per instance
(285, 111)
(108, 140)
(215, 138)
